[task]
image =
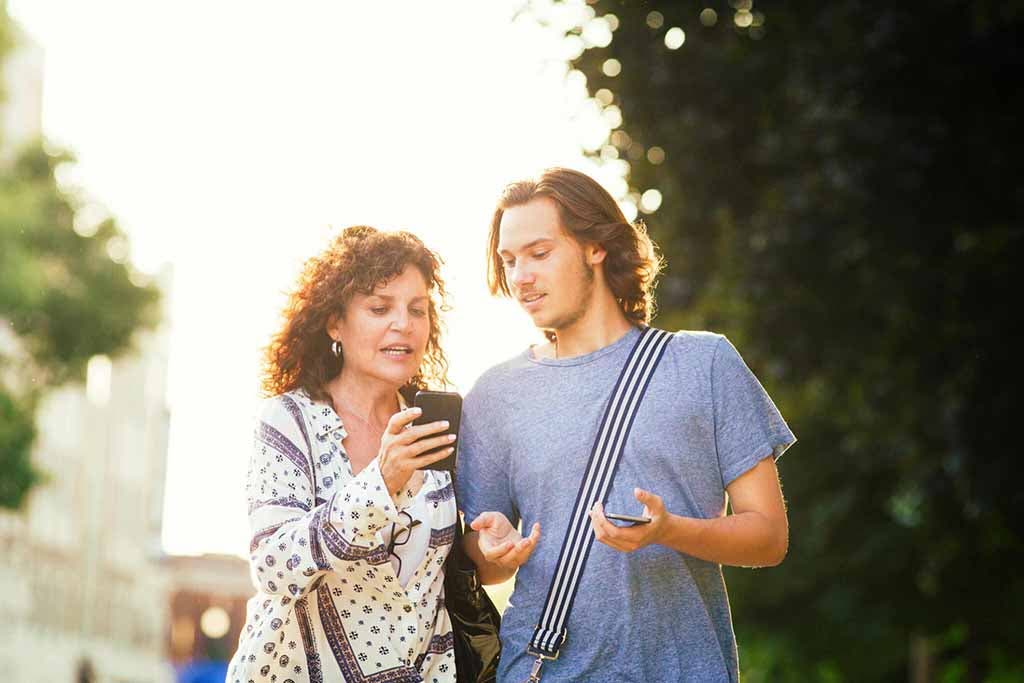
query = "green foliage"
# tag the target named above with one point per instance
(61, 295)
(842, 198)
(17, 431)
(61, 292)
(63, 298)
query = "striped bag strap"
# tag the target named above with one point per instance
(604, 459)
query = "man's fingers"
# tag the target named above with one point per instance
(604, 530)
(486, 520)
(499, 552)
(652, 501)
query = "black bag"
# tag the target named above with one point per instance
(475, 619)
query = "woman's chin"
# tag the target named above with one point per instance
(396, 376)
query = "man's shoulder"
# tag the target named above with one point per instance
(694, 346)
(498, 377)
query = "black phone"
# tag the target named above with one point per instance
(437, 406)
(627, 518)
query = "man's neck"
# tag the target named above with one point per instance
(600, 326)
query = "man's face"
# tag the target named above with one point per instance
(548, 272)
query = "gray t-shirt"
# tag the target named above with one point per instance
(528, 427)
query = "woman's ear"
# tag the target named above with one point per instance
(335, 325)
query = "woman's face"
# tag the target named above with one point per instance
(384, 335)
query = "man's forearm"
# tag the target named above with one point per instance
(746, 539)
(489, 572)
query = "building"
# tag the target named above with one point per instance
(82, 561)
(207, 600)
(83, 592)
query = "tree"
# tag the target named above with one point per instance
(63, 299)
(841, 195)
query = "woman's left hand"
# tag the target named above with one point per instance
(402, 447)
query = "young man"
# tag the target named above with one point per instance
(651, 604)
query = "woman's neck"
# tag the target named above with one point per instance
(369, 399)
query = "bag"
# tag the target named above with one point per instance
(475, 619)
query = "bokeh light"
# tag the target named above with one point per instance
(215, 622)
(674, 38)
(650, 201)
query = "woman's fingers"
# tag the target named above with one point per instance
(400, 419)
(424, 445)
(417, 432)
(421, 461)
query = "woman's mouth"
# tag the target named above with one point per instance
(397, 351)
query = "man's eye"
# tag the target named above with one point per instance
(510, 263)
(379, 310)
(540, 254)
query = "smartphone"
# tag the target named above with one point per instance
(437, 406)
(632, 520)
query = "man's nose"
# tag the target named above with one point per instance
(521, 275)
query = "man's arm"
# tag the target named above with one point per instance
(756, 534)
(497, 548)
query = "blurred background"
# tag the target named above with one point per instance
(836, 186)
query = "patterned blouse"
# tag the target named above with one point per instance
(329, 606)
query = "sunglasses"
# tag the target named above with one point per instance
(401, 537)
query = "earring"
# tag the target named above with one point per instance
(336, 348)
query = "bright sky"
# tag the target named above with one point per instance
(230, 138)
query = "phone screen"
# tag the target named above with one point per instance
(436, 406)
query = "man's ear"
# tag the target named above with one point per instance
(595, 254)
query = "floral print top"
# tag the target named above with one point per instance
(329, 606)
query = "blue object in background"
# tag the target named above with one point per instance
(202, 672)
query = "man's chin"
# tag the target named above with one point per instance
(540, 320)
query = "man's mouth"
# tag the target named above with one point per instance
(396, 350)
(531, 298)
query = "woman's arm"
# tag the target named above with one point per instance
(294, 539)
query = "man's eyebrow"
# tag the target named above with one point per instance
(530, 245)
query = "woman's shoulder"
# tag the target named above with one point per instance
(290, 407)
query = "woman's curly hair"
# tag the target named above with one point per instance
(591, 216)
(357, 261)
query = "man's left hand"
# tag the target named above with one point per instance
(630, 538)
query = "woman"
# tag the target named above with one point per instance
(349, 533)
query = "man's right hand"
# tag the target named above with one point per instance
(500, 543)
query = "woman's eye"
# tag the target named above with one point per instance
(419, 312)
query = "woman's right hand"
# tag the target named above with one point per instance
(401, 452)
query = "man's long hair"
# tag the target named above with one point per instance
(590, 216)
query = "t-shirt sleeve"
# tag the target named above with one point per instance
(748, 426)
(482, 479)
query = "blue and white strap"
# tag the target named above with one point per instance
(604, 459)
